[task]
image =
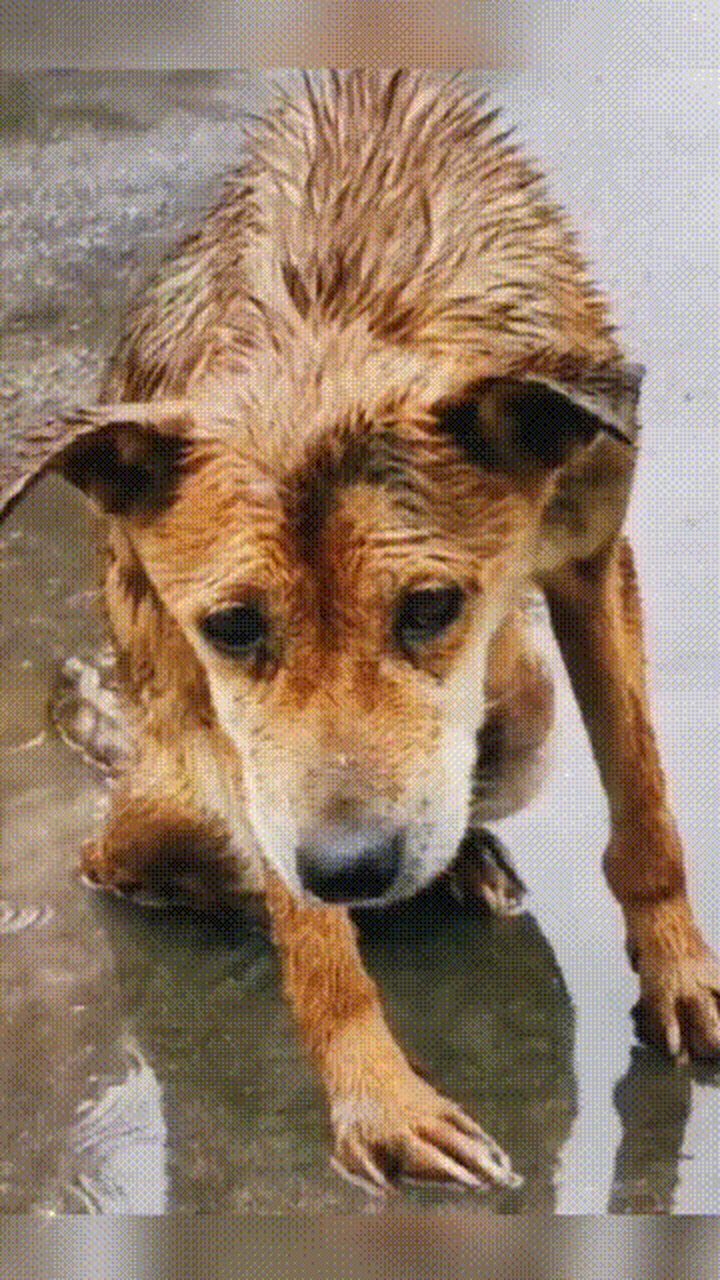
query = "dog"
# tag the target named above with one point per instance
(363, 409)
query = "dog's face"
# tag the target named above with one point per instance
(340, 587)
(342, 615)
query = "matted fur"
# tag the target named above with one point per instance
(373, 207)
(378, 368)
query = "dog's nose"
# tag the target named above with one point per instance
(369, 875)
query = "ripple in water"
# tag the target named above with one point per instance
(13, 919)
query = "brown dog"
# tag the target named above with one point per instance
(360, 410)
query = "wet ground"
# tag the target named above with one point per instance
(147, 1062)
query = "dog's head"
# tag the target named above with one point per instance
(339, 589)
(387, 352)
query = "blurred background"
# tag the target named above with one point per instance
(178, 33)
(249, 33)
(446, 1248)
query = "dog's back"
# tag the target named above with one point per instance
(375, 207)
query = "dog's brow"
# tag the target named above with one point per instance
(338, 459)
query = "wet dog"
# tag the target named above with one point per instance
(365, 407)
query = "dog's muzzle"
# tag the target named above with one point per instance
(368, 876)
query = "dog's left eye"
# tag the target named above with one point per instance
(236, 631)
(422, 615)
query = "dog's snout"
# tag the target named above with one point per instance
(367, 877)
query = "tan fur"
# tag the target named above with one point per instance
(596, 616)
(389, 372)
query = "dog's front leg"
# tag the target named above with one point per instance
(388, 1122)
(595, 612)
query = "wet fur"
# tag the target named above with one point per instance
(387, 365)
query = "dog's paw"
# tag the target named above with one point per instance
(483, 871)
(173, 881)
(106, 875)
(679, 1006)
(401, 1127)
(99, 871)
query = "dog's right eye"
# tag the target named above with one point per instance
(423, 615)
(237, 631)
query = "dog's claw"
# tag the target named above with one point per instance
(434, 1142)
(357, 1165)
(435, 1164)
(679, 1009)
(484, 870)
(129, 893)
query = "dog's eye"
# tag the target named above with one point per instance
(237, 631)
(422, 615)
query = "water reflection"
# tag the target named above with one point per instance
(150, 1067)
(216, 1109)
(653, 1101)
(120, 1146)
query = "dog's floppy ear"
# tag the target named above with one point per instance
(532, 425)
(124, 457)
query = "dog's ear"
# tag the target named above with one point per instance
(125, 457)
(527, 427)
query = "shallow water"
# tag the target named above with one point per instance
(148, 1065)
